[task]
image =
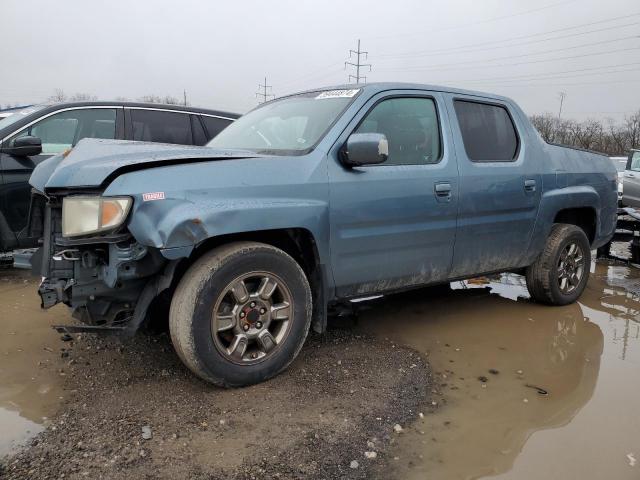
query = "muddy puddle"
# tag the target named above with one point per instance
(528, 391)
(30, 389)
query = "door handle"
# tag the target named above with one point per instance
(442, 189)
(530, 185)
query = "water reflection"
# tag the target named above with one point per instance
(489, 325)
(30, 388)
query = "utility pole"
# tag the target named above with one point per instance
(561, 96)
(265, 96)
(358, 65)
(185, 97)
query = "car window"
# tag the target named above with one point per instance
(411, 127)
(635, 162)
(199, 135)
(64, 130)
(487, 131)
(214, 125)
(161, 126)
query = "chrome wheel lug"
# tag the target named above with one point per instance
(258, 324)
(245, 327)
(252, 304)
(263, 311)
(242, 314)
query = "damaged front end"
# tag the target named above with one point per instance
(107, 278)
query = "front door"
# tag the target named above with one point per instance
(393, 225)
(500, 186)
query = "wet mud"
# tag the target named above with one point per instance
(30, 386)
(517, 391)
(528, 391)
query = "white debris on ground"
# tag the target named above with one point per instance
(632, 459)
(398, 428)
(370, 455)
(146, 432)
(354, 464)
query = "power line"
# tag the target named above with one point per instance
(505, 42)
(358, 64)
(555, 75)
(480, 22)
(454, 65)
(605, 82)
(264, 94)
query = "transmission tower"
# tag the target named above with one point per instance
(359, 54)
(264, 93)
(561, 96)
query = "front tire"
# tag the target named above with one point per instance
(240, 314)
(560, 273)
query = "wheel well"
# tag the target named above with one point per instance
(299, 243)
(584, 217)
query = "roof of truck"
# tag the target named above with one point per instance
(382, 86)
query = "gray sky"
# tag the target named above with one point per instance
(219, 51)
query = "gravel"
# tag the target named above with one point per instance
(133, 411)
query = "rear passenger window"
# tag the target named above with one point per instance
(199, 136)
(487, 131)
(161, 126)
(411, 127)
(214, 125)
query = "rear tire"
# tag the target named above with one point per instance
(560, 273)
(240, 314)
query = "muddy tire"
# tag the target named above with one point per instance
(240, 314)
(560, 273)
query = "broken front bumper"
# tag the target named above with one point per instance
(104, 279)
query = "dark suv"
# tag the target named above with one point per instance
(36, 133)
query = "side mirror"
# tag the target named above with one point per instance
(24, 147)
(365, 149)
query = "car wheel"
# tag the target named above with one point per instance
(560, 274)
(240, 314)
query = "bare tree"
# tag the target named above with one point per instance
(609, 137)
(58, 96)
(82, 97)
(168, 99)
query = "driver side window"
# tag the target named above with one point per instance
(64, 130)
(411, 127)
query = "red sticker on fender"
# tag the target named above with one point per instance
(153, 196)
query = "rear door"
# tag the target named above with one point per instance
(58, 132)
(631, 181)
(393, 225)
(500, 185)
(158, 125)
(215, 125)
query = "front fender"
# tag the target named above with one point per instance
(180, 225)
(178, 207)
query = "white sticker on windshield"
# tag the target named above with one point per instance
(338, 94)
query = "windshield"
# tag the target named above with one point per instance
(19, 115)
(291, 125)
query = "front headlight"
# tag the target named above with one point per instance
(87, 215)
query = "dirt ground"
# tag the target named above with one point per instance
(512, 390)
(340, 399)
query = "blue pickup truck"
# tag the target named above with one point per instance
(305, 202)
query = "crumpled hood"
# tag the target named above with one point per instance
(93, 161)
